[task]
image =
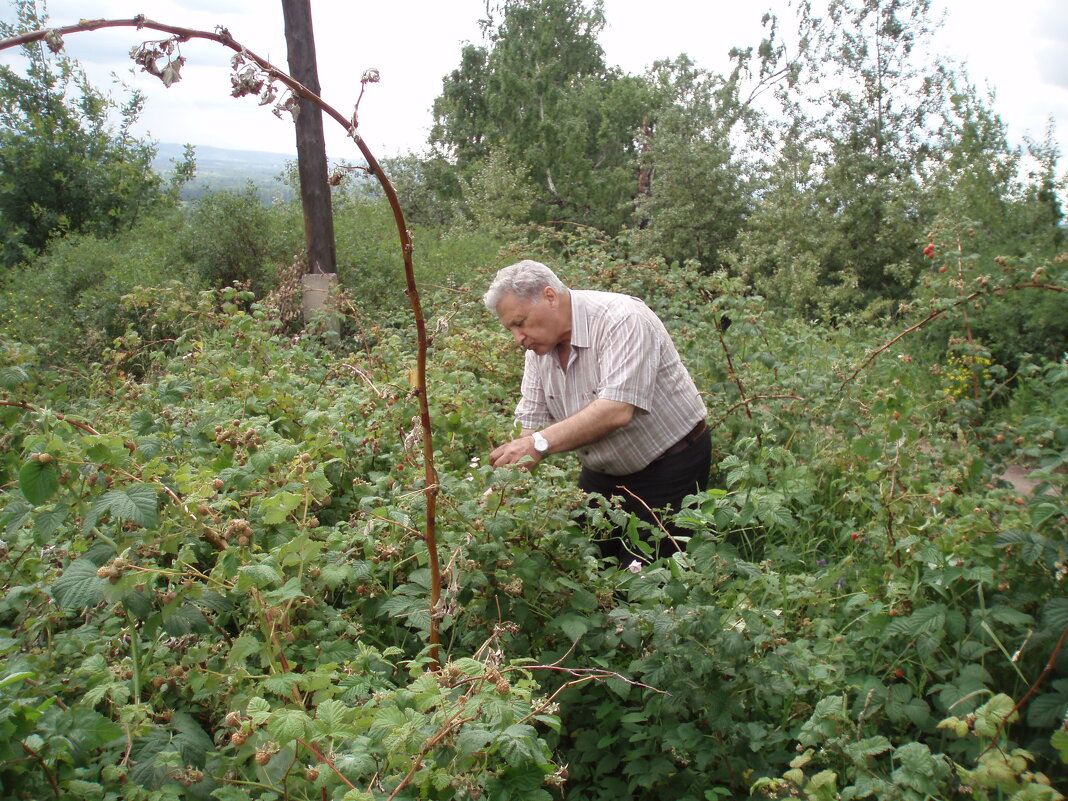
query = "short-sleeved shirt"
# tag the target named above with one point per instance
(620, 351)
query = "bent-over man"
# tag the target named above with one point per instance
(602, 378)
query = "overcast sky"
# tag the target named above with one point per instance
(1018, 49)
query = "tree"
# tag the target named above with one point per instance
(538, 93)
(699, 183)
(63, 165)
(871, 133)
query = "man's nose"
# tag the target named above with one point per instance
(520, 337)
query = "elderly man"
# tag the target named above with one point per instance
(602, 378)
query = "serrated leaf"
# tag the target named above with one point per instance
(287, 592)
(331, 713)
(259, 709)
(14, 515)
(1055, 614)
(175, 390)
(138, 604)
(471, 740)
(183, 735)
(38, 482)
(261, 575)
(1059, 741)
(1031, 546)
(861, 750)
(277, 507)
(990, 716)
(333, 575)
(13, 376)
(142, 422)
(91, 730)
(927, 620)
(286, 725)
(136, 504)
(184, 619)
(517, 744)
(573, 626)
(215, 601)
(79, 587)
(1048, 709)
(281, 684)
(48, 521)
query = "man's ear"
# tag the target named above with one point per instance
(550, 295)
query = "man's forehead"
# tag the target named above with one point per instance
(512, 306)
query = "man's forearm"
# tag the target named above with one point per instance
(590, 424)
(593, 423)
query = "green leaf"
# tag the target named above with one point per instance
(142, 422)
(471, 740)
(215, 602)
(16, 677)
(175, 391)
(1030, 546)
(993, 713)
(574, 626)
(13, 376)
(287, 592)
(331, 713)
(282, 684)
(38, 482)
(276, 508)
(14, 515)
(517, 743)
(136, 504)
(184, 619)
(138, 604)
(259, 709)
(286, 725)
(1060, 742)
(79, 587)
(182, 735)
(261, 575)
(333, 575)
(1055, 615)
(927, 620)
(48, 521)
(861, 750)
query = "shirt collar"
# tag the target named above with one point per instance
(580, 326)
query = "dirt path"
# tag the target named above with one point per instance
(1020, 478)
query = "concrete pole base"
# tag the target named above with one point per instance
(316, 288)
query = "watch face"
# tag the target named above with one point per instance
(541, 445)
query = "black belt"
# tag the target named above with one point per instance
(686, 441)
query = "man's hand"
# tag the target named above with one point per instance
(519, 452)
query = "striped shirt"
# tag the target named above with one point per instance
(620, 351)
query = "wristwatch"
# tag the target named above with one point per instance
(541, 445)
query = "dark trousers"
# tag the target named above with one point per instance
(661, 484)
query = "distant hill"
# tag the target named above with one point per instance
(219, 168)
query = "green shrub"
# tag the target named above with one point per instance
(229, 241)
(221, 553)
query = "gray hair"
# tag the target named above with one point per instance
(525, 279)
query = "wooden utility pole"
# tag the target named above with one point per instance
(321, 276)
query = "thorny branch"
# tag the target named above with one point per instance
(1031, 691)
(247, 81)
(938, 313)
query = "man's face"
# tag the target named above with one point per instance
(537, 325)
